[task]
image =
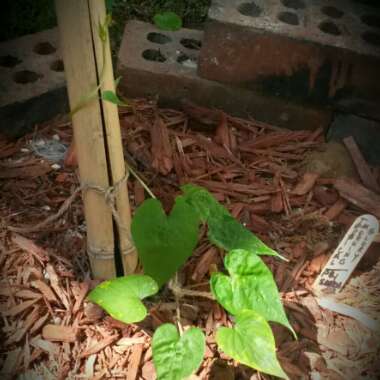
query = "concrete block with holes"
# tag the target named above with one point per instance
(157, 63)
(32, 82)
(314, 52)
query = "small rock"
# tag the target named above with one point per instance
(333, 161)
(39, 142)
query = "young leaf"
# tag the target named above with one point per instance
(251, 342)
(121, 297)
(250, 286)
(167, 21)
(175, 357)
(226, 232)
(164, 242)
(223, 230)
(111, 97)
(103, 28)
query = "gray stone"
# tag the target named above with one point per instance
(32, 82)
(331, 160)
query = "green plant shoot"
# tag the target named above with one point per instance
(249, 292)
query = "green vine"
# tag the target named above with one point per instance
(164, 242)
(93, 94)
(248, 292)
(107, 95)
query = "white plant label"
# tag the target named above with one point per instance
(347, 255)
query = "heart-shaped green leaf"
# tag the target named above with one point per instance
(164, 242)
(251, 342)
(121, 297)
(203, 202)
(226, 232)
(250, 285)
(175, 357)
(223, 230)
(167, 21)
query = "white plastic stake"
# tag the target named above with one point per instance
(349, 311)
(347, 255)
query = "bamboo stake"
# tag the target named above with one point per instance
(78, 37)
(113, 133)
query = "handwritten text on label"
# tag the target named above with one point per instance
(347, 255)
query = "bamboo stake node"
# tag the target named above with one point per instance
(110, 194)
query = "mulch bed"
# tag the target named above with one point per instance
(49, 329)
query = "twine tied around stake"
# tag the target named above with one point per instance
(110, 194)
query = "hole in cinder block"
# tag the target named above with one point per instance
(158, 38)
(182, 58)
(250, 9)
(372, 38)
(191, 43)
(371, 20)
(293, 4)
(371, 3)
(57, 65)
(288, 18)
(26, 76)
(9, 61)
(153, 55)
(329, 28)
(187, 61)
(44, 48)
(332, 12)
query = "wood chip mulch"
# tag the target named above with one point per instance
(50, 331)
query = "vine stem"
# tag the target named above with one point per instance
(178, 307)
(143, 184)
(182, 292)
(92, 95)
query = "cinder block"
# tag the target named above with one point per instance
(318, 52)
(32, 82)
(153, 62)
